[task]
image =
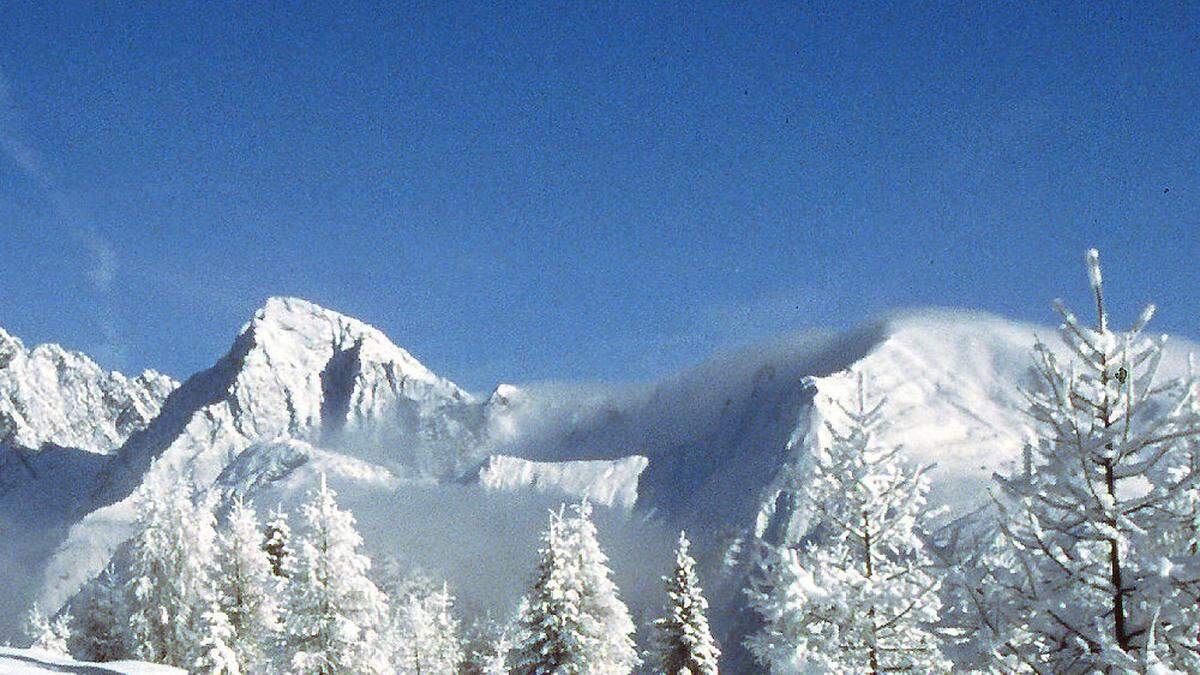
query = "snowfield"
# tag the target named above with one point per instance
(37, 662)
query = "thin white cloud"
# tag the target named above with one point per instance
(15, 147)
(103, 270)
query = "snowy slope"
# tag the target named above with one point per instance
(291, 465)
(36, 662)
(51, 395)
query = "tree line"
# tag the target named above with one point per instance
(244, 597)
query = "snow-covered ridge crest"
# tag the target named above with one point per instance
(606, 482)
(51, 395)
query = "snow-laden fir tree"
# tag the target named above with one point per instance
(616, 651)
(424, 630)
(48, 634)
(101, 624)
(335, 615)
(1098, 581)
(278, 534)
(246, 588)
(553, 639)
(573, 620)
(685, 644)
(170, 580)
(216, 653)
(857, 595)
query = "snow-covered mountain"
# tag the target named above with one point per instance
(295, 371)
(459, 485)
(50, 395)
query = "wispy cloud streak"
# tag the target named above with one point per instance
(102, 268)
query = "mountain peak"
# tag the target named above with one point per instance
(283, 308)
(298, 331)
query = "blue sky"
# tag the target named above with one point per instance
(576, 190)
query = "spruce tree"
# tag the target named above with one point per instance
(246, 588)
(424, 631)
(1100, 576)
(488, 647)
(685, 643)
(573, 621)
(857, 594)
(553, 639)
(335, 615)
(216, 653)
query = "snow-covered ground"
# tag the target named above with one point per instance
(37, 662)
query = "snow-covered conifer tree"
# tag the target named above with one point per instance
(1098, 582)
(216, 654)
(103, 621)
(170, 580)
(552, 635)
(335, 615)
(246, 588)
(424, 631)
(857, 595)
(277, 536)
(573, 621)
(685, 643)
(47, 634)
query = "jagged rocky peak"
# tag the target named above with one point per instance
(327, 368)
(51, 395)
(9, 346)
(308, 334)
(295, 370)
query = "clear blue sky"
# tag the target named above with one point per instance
(572, 191)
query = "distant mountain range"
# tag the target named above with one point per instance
(458, 484)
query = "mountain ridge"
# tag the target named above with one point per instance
(304, 390)
(50, 394)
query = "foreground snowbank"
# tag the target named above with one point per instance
(35, 662)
